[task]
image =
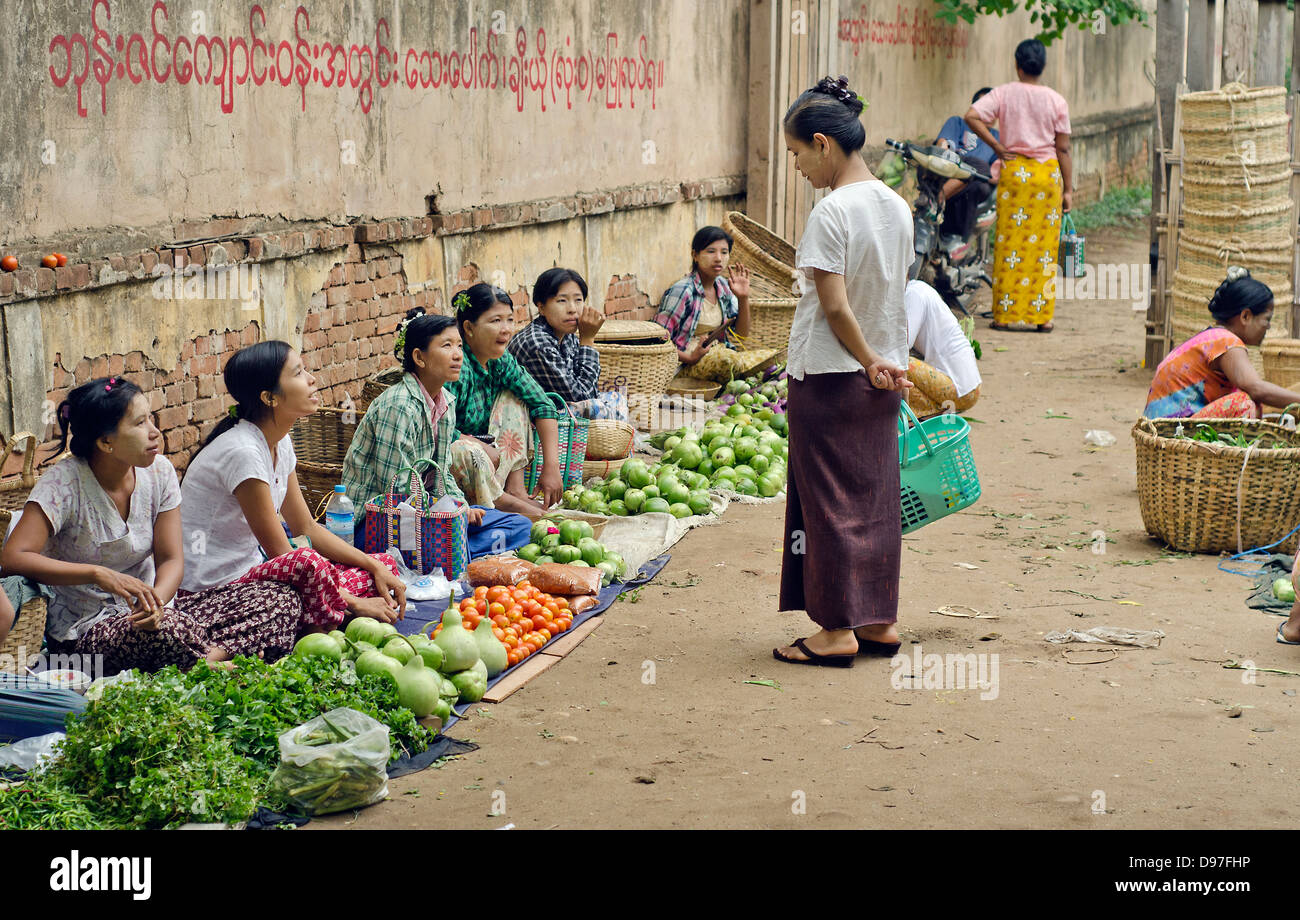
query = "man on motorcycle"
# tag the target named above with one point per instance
(963, 197)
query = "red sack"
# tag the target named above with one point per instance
(498, 570)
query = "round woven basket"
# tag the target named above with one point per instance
(1214, 188)
(609, 439)
(694, 388)
(769, 258)
(376, 385)
(636, 354)
(1233, 105)
(1256, 227)
(1268, 139)
(770, 321)
(601, 468)
(1208, 498)
(15, 489)
(1208, 261)
(1195, 283)
(321, 441)
(27, 636)
(1281, 361)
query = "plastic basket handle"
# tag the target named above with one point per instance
(925, 440)
(415, 485)
(1067, 225)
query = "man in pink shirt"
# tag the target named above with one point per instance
(1034, 147)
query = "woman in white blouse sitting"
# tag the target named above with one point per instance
(103, 529)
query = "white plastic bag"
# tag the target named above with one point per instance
(431, 587)
(1099, 438)
(30, 754)
(335, 762)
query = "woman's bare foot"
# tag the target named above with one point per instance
(824, 642)
(516, 505)
(1290, 630)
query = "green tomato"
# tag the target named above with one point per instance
(618, 509)
(545, 560)
(699, 503)
(724, 484)
(724, 472)
(671, 443)
(657, 504)
(760, 464)
(634, 500)
(678, 493)
(549, 542)
(650, 492)
(746, 487)
(706, 467)
(565, 554)
(724, 456)
(680, 510)
(529, 552)
(570, 533)
(617, 489)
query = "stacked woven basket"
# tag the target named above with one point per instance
(1236, 200)
(773, 279)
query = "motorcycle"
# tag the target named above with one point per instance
(954, 266)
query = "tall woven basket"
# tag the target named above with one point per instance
(1281, 361)
(1213, 497)
(27, 636)
(376, 385)
(637, 355)
(321, 441)
(15, 489)
(1236, 124)
(770, 321)
(609, 439)
(769, 258)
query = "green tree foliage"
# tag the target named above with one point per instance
(1052, 17)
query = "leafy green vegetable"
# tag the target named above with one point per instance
(256, 703)
(143, 758)
(42, 805)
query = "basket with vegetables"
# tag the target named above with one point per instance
(1232, 484)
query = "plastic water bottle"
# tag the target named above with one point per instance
(338, 516)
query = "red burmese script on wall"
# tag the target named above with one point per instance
(227, 62)
(926, 35)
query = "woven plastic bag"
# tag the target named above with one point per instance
(1070, 255)
(336, 761)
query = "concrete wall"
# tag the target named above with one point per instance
(330, 211)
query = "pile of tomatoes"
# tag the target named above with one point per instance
(523, 618)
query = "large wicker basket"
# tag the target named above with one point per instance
(770, 321)
(769, 258)
(599, 469)
(1281, 361)
(693, 387)
(1236, 124)
(1208, 498)
(376, 385)
(321, 441)
(27, 636)
(15, 489)
(637, 355)
(609, 439)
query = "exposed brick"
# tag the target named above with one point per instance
(198, 347)
(81, 373)
(311, 239)
(338, 334)
(156, 400)
(293, 243)
(248, 335)
(99, 367)
(44, 280)
(196, 255)
(209, 408)
(6, 284)
(143, 379)
(116, 365)
(173, 439)
(172, 417)
(208, 386)
(311, 323)
(389, 284)
(232, 341)
(236, 250)
(337, 295)
(63, 277)
(338, 275)
(363, 290)
(189, 436)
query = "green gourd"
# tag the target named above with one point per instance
(459, 650)
(490, 650)
(418, 687)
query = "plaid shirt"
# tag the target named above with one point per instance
(398, 430)
(478, 388)
(559, 364)
(679, 310)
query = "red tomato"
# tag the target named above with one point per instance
(9, 263)
(63, 260)
(480, 591)
(50, 261)
(495, 609)
(539, 621)
(551, 610)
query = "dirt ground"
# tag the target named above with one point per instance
(1140, 741)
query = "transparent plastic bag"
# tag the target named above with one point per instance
(336, 761)
(31, 754)
(431, 587)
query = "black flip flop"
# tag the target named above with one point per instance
(824, 661)
(873, 649)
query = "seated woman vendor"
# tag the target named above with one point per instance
(497, 404)
(696, 308)
(945, 378)
(243, 479)
(102, 528)
(414, 420)
(557, 347)
(1210, 375)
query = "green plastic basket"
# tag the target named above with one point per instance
(937, 469)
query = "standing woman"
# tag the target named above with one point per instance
(848, 354)
(1034, 153)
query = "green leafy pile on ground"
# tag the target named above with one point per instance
(200, 745)
(1118, 207)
